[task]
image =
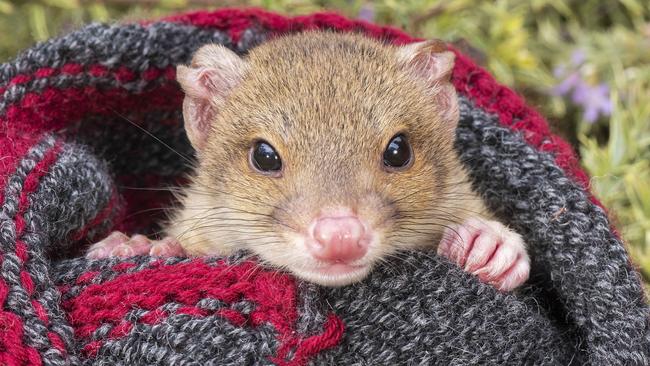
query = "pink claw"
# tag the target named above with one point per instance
(489, 250)
(167, 247)
(118, 244)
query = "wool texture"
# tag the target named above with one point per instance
(91, 130)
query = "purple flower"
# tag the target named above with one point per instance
(578, 57)
(367, 12)
(594, 100)
(565, 86)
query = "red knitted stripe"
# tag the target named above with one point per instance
(55, 108)
(40, 312)
(34, 178)
(11, 324)
(120, 330)
(21, 248)
(14, 145)
(122, 74)
(154, 316)
(309, 347)
(20, 79)
(44, 72)
(334, 329)
(14, 351)
(273, 294)
(29, 186)
(4, 288)
(54, 338)
(233, 316)
(86, 278)
(236, 21)
(91, 349)
(27, 282)
(57, 342)
(122, 267)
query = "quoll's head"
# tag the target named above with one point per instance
(322, 153)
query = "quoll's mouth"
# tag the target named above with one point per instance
(338, 244)
(339, 269)
(335, 274)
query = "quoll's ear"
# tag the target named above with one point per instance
(207, 82)
(432, 64)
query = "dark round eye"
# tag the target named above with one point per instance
(398, 152)
(264, 158)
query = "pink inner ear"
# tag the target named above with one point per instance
(204, 114)
(447, 100)
(214, 72)
(213, 83)
(434, 66)
(202, 95)
(197, 113)
(197, 83)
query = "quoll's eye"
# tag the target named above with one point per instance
(265, 159)
(398, 152)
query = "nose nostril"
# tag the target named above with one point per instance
(338, 239)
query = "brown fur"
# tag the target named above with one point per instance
(329, 104)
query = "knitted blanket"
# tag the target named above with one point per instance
(88, 123)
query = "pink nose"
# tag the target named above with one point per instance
(338, 239)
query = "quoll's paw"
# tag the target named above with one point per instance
(489, 250)
(118, 244)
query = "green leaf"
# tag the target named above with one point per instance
(99, 12)
(6, 7)
(38, 22)
(64, 4)
(173, 4)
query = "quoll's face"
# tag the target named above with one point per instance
(331, 170)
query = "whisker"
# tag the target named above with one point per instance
(190, 161)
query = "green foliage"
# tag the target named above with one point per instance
(573, 59)
(620, 166)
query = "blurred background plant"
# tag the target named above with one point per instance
(584, 63)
